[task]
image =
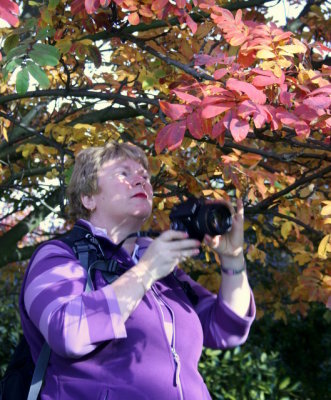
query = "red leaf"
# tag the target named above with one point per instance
(302, 128)
(285, 97)
(207, 126)
(133, 18)
(191, 24)
(195, 124)
(180, 3)
(254, 94)
(219, 73)
(246, 59)
(324, 90)
(175, 111)
(92, 5)
(239, 129)
(272, 118)
(105, 3)
(238, 16)
(265, 78)
(159, 4)
(176, 135)
(9, 12)
(212, 110)
(218, 129)
(205, 59)
(318, 102)
(305, 112)
(287, 118)
(187, 97)
(77, 6)
(217, 99)
(170, 136)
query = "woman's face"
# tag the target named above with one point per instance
(125, 193)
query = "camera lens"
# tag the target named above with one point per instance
(214, 219)
(218, 219)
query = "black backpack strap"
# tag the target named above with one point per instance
(187, 288)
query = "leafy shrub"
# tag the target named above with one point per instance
(246, 373)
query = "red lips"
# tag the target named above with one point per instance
(142, 195)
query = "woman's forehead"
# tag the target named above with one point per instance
(123, 162)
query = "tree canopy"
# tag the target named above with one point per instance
(224, 102)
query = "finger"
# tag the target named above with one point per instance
(240, 208)
(209, 240)
(182, 255)
(179, 245)
(171, 235)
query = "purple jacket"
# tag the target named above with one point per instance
(97, 356)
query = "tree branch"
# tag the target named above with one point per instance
(191, 71)
(264, 204)
(8, 241)
(85, 92)
(308, 228)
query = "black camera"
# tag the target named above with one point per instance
(197, 218)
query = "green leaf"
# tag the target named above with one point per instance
(10, 43)
(159, 73)
(263, 357)
(53, 4)
(17, 51)
(22, 81)
(44, 54)
(11, 66)
(285, 382)
(45, 33)
(67, 174)
(38, 74)
(148, 82)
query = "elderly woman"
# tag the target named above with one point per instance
(139, 337)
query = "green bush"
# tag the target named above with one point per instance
(246, 373)
(10, 327)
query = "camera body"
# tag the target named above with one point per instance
(197, 218)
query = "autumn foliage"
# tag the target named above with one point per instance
(225, 102)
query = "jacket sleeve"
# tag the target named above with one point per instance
(222, 327)
(73, 322)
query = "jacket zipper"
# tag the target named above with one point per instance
(172, 345)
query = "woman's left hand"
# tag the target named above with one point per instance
(230, 244)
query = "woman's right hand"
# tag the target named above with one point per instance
(164, 253)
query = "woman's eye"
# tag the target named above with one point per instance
(122, 173)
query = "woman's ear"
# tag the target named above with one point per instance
(88, 202)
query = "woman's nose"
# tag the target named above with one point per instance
(138, 180)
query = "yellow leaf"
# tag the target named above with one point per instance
(326, 210)
(327, 221)
(265, 54)
(4, 133)
(324, 247)
(282, 62)
(286, 229)
(302, 258)
(26, 149)
(86, 42)
(63, 45)
(293, 48)
(42, 149)
(272, 66)
(84, 126)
